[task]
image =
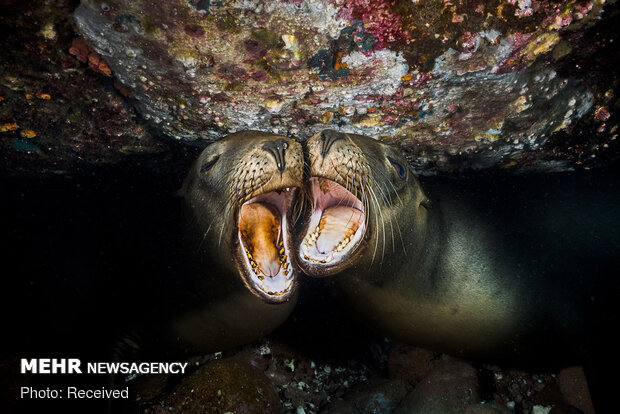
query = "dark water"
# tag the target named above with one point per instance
(88, 257)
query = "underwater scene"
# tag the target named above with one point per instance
(309, 206)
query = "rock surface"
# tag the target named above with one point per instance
(456, 85)
(482, 84)
(412, 364)
(227, 385)
(377, 396)
(574, 387)
(447, 389)
(56, 112)
(340, 407)
(487, 408)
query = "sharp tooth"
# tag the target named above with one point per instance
(329, 258)
(288, 284)
(261, 277)
(282, 251)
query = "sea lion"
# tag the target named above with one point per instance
(239, 198)
(485, 270)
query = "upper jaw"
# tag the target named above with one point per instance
(264, 245)
(336, 230)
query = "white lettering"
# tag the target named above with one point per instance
(74, 366)
(29, 366)
(51, 366)
(29, 392)
(44, 366)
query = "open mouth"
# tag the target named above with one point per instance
(264, 237)
(337, 225)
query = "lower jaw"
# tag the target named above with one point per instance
(274, 289)
(272, 296)
(323, 268)
(311, 259)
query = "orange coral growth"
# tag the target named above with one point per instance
(85, 54)
(9, 126)
(339, 64)
(96, 63)
(28, 133)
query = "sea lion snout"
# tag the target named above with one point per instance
(328, 137)
(278, 150)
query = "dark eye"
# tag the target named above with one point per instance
(209, 164)
(399, 167)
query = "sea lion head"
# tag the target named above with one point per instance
(363, 199)
(240, 193)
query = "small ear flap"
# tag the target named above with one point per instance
(183, 190)
(427, 203)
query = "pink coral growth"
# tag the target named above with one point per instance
(602, 114)
(378, 19)
(469, 42)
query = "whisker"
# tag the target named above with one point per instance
(378, 207)
(402, 242)
(388, 204)
(374, 254)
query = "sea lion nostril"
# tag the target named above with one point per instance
(329, 138)
(278, 150)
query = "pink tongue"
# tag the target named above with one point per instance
(269, 268)
(337, 223)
